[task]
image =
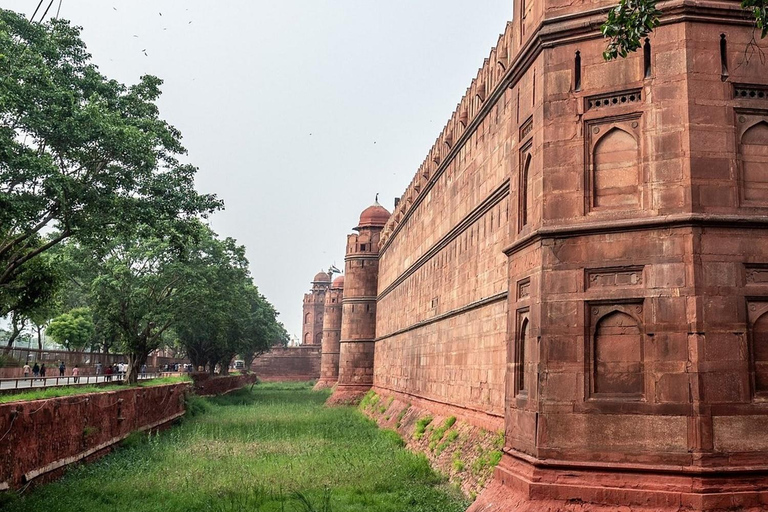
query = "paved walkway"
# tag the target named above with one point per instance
(66, 381)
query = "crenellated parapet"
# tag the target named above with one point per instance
(489, 81)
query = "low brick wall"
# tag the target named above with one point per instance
(288, 364)
(207, 385)
(40, 437)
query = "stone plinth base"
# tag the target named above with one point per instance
(347, 395)
(519, 486)
(324, 384)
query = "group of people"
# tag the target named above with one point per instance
(115, 369)
(39, 371)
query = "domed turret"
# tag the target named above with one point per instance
(338, 283)
(322, 277)
(375, 216)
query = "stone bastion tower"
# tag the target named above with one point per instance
(329, 359)
(581, 262)
(358, 322)
(314, 305)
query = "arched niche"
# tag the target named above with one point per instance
(523, 356)
(525, 186)
(617, 355)
(753, 153)
(526, 205)
(760, 354)
(616, 177)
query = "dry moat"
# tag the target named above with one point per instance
(274, 447)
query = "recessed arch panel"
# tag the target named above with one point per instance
(760, 353)
(618, 355)
(754, 164)
(616, 170)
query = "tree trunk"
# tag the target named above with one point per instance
(39, 337)
(18, 323)
(248, 360)
(134, 365)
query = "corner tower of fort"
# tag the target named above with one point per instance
(329, 359)
(581, 261)
(358, 320)
(314, 307)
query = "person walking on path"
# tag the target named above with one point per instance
(36, 370)
(27, 369)
(99, 368)
(76, 374)
(42, 372)
(62, 369)
(108, 374)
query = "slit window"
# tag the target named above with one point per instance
(723, 57)
(647, 58)
(577, 72)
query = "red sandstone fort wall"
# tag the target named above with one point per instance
(626, 324)
(442, 307)
(38, 438)
(288, 364)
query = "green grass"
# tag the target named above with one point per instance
(438, 433)
(275, 448)
(57, 392)
(421, 427)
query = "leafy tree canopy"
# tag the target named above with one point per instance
(80, 155)
(74, 329)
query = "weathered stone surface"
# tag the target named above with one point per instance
(288, 364)
(584, 251)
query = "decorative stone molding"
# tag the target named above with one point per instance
(613, 99)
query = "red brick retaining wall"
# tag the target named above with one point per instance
(39, 437)
(288, 364)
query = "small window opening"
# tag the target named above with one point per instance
(723, 58)
(647, 58)
(577, 72)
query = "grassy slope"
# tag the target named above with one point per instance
(257, 451)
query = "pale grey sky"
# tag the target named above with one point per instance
(297, 112)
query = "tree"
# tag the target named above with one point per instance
(210, 321)
(74, 329)
(80, 155)
(263, 330)
(223, 313)
(632, 20)
(137, 288)
(32, 289)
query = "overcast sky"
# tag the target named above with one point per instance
(297, 112)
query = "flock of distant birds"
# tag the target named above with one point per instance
(58, 11)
